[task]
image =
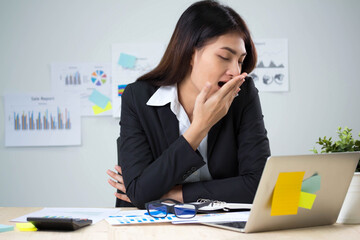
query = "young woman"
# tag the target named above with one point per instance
(187, 131)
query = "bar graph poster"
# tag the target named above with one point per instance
(130, 61)
(41, 120)
(271, 73)
(82, 79)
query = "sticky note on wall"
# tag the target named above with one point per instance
(286, 195)
(126, 60)
(97, 110)
(99, 99)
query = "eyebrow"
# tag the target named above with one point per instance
(233, 51)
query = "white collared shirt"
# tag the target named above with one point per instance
(169, 94)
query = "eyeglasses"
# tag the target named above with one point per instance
(161, 208)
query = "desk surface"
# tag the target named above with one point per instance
(102, 230)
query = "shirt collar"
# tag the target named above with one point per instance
(163, 96)
(169, 94)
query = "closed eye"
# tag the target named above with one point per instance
(228, 59)
(224, 58)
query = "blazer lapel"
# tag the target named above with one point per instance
(169, 122)
(212, 137)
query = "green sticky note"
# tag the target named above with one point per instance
(311, 184)
(6, 228)
(306, 200)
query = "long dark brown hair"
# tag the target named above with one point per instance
(201, 22)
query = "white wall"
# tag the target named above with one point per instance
(324, 52)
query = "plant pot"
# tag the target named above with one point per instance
(350, 211)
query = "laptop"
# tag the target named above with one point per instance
(336, 171)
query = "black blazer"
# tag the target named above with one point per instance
(154, 158)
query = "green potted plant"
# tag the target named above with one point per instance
(350, 212)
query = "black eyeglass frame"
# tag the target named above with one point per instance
(170, 208)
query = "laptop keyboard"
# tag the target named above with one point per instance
(233, 224)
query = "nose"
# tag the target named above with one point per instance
(234, 69)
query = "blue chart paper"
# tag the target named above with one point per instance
(126, 60)
(137, 217)
(99, 99)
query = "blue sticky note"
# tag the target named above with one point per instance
(6, 228)
(99, 99)
(126, 60)
(311, 184)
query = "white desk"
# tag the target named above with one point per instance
(102, 230)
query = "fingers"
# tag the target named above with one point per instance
(120, 180)
(115, 176)
(232, 86)
(118, 168)
(123, 197)
(204, 93)
(117, 185)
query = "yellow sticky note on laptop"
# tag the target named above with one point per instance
(306, 200)
(286, 194)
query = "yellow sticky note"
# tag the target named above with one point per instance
(26, 227)
(306, 200)
(97, 110)
(286, 195)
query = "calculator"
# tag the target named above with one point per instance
(57, 223)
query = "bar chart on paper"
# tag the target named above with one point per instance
(41, 121)
(72, 78)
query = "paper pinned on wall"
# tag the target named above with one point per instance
(272, 69)
(311, 184)
(97, 110)
(127, 60)
(306, 200)
(80, 79)
(128, 63)
(286, 195)
(42, 120)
